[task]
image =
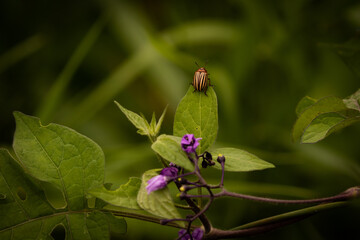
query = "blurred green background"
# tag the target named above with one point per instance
(66, 61)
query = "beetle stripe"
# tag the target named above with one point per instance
(201, 80)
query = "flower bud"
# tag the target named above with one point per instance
(204, 164)
(221, 158)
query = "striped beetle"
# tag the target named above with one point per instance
(201, 80)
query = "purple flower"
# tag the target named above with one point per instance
(183, 235)
(169, 172)
(156, 183)
(160, 181)
(197, 234)
(189, 143)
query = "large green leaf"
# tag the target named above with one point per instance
(25, 213)
(124, 196)
(59, 155)
(237, 160)
(157, 202)
(198, 114)
(23, 199)
(169, 148)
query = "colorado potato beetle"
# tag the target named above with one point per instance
(201, 80)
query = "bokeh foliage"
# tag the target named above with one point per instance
(66, 62)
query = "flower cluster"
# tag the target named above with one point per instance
(189, 145)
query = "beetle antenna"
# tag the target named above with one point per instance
(206, 62)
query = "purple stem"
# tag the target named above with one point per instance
(348, 194)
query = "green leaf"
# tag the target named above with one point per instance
(153, 124)
(124, 196)
(159, 123)
(59, 155)
(324, 105)
(304, 103)
(237, 160)
(25, 213)
(353, 102)
(169, 148)
(324, 125)
(139, 122)
(157, 202)
(198, 114)
(86, 225)
(24, 200)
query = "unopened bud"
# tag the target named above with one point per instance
(208, 156)
(204, 164)
(221, 158)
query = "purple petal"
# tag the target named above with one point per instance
(186, 139)
(156, 183)
(181, 234)
(169, 172)
(197, 234)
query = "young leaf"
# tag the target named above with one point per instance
(25, 213)
(324, 105)
(124, 196)
(198, 114)
(304, 103)
(153, 124)
(324, 125)
(237, 160)
(169, 148)
(157, 202)
(353, 102)
(139, 122)
(59, 155)
(159, 123)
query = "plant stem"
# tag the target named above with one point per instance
(346, 195)
(271, 223)
(289, 215)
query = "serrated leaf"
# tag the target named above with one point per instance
(25, 213)
(139, 122)
(324, 125)
(159, 123)
(237, 160)
(157, 202)
(169, 148)
(124, 196)
(70, 161)
(324, 105)
(198, 114)
(304, 103)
